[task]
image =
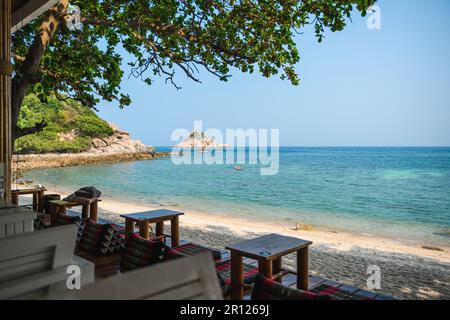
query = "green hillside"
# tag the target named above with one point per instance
(66, 117)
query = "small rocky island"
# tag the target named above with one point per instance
(200, 140)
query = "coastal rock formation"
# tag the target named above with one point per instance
(25, 162)
(119, 142)
(118, 147)
(197, 139)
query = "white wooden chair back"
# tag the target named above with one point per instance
(16, 220)
(189, 278)
(31, 262)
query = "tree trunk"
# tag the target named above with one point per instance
(26, 75)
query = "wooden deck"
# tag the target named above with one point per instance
(108, 265)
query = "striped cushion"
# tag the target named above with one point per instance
(63, 219)
(140, 252)
(340, 293)
(100, 238)
(223, 268)
(190, 249)
(267, 289)
(42, 222)
(93, 236)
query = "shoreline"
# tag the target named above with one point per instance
(27, 162)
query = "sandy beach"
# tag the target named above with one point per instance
(408, 271)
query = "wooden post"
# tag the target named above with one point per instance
(129, 227)
(160, 228)
(144, 229)
(265, 268)
(277, 268)
(5, 93)
(302, 269)
(85, 212)
(94, 210)
(41, 201)
(53, 213)
(15, 198)
(35, 201)
(175, 231)
(237, 282)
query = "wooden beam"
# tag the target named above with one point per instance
(5, 94)
(28, 11)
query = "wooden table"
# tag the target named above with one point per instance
(154, 216)
(268, 250)
(38, 197)
(60, 207)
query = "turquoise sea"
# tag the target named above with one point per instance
(402, 193)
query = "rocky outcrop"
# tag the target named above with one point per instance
(119, 147)
(119, 142)
(68, 136)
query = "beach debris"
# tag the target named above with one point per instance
(432, 248)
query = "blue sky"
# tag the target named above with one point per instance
(359, 87)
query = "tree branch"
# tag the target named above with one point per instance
(38, 127)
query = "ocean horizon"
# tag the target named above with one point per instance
(396, 192)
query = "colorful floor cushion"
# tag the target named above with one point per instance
(42, 222)
(341, 293)
(100, 238)
(62, 219)
(224, 272)
(119, 237)
(140, 252)
(190, 249)
(267, 289)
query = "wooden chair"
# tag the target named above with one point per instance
(31, 262)
(187, 278)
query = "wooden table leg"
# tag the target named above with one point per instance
(129, 227)
(143, 229)
(85, 211)
(35, 201)
(302, 269)
(237, 282)
(15, 198)
(277, 268)
(265, 268)
(175, 231)
(41, 201)
(53, 213)
(159, 228)
(94, 211)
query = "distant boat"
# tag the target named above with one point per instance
(238, 168)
